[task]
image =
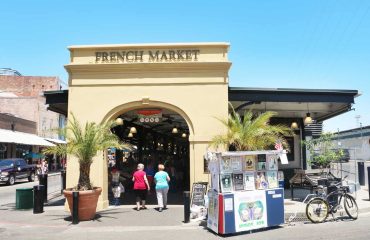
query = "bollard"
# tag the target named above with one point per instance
(186, 206)
(63, 180)
(368, 180)
(75, 208)
(38, 199)
(43, 180)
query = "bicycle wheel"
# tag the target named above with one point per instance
(350, 206)
(317, 210)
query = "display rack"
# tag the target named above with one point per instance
(244, 193)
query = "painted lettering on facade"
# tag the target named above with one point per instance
(150, 56)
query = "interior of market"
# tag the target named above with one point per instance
(157, 136)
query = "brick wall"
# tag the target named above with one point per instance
(30, 103)
(28, 85)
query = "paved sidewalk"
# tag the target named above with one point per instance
(121, 222)
(295, 210)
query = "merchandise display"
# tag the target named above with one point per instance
(261, 164)
(249, 163)
(249, 183)
(272, 179)
(272, 162)
(245, 193)
(238, 181)
(226, 182)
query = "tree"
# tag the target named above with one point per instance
(322, 150)
(84, 143)
(251, 132)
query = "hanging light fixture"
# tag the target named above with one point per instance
(130, 135)
(174, 130)
(308, 118)
(294, 125)
(133, 130)
(183, 135)
(119, 121)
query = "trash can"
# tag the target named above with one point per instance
(24, 198)
(361, 173)
(38, 199)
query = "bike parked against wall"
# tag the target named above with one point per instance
(321, 205)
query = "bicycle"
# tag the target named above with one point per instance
(319, 207)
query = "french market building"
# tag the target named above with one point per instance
(184, 86)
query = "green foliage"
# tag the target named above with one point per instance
(84, 142)
(250, 132)
(322, 150)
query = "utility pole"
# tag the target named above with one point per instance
(341, 169)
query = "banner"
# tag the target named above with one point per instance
(149, 115)
(250, 210)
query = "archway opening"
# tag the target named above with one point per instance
(158, 136)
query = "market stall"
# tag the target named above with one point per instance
(244, 193)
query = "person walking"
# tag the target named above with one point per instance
(161, 180)
(141, 186)
(149, 170)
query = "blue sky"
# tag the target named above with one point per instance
(285, 44)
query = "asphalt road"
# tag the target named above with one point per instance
(7, 193)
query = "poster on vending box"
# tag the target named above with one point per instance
(225, 165)
(250, 210)
(272, 162)
(272, 179)
(212, 218)
(249, 163)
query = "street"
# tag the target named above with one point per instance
(7, 193)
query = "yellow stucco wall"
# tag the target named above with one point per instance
(197, 89)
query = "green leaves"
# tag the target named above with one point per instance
(322, 150)
(250, 132)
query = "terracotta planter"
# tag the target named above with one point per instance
(87, 201)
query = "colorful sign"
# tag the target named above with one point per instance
(149, 115)
(212, 218)
(250, 210)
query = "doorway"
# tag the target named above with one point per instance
(158, 136)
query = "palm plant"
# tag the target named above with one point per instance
(84, 143)
(251, 132)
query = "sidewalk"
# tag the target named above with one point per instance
(295, 210)
(121, 222)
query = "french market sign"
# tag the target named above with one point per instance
(147, 56)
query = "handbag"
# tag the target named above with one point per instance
(121, 187)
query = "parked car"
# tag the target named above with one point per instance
(14, 169)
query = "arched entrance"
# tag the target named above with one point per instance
(158, 135)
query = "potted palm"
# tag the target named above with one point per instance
(84, 142)
(251, 132)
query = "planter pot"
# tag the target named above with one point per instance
(87, 201)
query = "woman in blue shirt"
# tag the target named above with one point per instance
(161, 180)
